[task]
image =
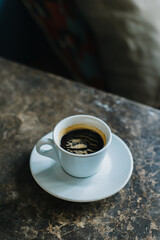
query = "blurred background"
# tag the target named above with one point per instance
(22, 40)
(108, 45)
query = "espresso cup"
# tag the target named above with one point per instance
(74, 163)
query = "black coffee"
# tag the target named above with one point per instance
(82, 141)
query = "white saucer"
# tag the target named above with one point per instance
(115, 172)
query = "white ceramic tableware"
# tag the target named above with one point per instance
(114, 174)
(77, 165)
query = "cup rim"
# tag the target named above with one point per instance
(83, 155)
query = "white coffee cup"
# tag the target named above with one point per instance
(77, 165)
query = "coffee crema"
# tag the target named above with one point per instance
(82, 139)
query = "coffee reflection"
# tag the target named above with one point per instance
(82, 139)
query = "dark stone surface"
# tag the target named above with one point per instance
(31, 103)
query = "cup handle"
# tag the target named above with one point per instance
(51, 153)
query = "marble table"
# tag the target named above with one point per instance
(31, 103)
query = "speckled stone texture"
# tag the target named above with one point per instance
(31, 103)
